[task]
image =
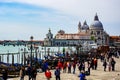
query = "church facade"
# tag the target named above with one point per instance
(85, 36)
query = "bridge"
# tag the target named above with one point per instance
(20, 42)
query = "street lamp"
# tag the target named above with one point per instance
(31, 47)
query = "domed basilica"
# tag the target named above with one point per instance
(93, 34)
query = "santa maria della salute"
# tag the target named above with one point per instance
(86, 35)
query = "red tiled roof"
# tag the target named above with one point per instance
(114, 37)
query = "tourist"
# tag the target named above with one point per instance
(83, 66)
(48, 74)
(95, 63)
(74, 66)
(45, 66)
(22, 73)
(34, 73)
(89, 66)
(92, 63)
(69, 66)
(64, 67)
(5, 74)
(105, 64)
(59, 65)
(82, 75)
(29, 69)
(113, 64)
(57, 73)
(109, 64)
(79, 66)
(102, 57)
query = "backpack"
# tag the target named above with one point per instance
(57, 72)
(113, 62)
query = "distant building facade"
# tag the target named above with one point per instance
(114, 41)
(86, 35)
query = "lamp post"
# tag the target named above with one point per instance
(31, 47)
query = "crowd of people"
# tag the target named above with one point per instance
(69, 66)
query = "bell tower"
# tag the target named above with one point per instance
(79, 27)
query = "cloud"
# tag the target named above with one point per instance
(25, 20)
(82, 8)
(37, 16)
(33, 13)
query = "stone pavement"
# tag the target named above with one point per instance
(98, 74)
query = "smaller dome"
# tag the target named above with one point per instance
(61, 32)
(49, 34)
(85, 26)
(49, 31)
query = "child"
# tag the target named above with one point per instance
(82, 75)
(48, 74)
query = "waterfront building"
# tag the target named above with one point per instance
(86, 36)
(114, 41)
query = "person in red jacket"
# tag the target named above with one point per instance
(95, 63)
(48, 74)
(60, 65)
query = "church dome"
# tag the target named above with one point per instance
(61, 32)
(96, 24)
(85, 26)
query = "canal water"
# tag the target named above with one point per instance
(42, 51)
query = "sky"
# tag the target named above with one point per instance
(20, 19)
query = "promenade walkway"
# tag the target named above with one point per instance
(98, 74)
